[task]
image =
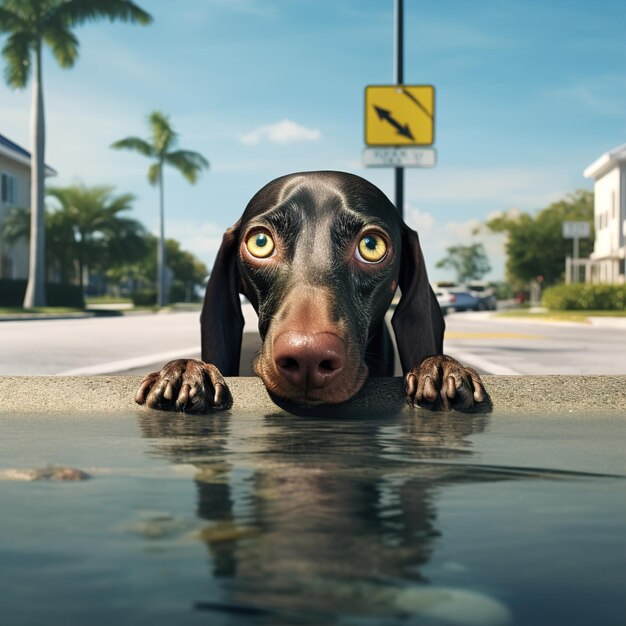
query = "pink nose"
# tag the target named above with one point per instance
(309, 361)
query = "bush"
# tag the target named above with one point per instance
(145, 297)
(148, 297)
(585, 297)
(12, 294)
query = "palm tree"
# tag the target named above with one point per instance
(101, 236)
(29, 24)
(160, 147)
(59, 238)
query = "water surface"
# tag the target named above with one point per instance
(243, 519)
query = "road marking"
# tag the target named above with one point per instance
(490, 335)
(127, 364)
(483, 364)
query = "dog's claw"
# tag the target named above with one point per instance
(168, 394)
(411, 385)
(441, 382)
(185, 385)
(220, 395)
(450, 387)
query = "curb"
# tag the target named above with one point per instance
(523, 395)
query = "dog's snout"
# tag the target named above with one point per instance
(309, 360)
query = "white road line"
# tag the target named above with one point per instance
(126, 364)
(490, 367)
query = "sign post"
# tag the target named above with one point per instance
(399, 78)
(399, 120)
(575, 231)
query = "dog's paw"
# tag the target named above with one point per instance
(185, 385)
(441, 382)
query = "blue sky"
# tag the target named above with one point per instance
(528, 94)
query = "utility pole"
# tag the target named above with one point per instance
(399, 80)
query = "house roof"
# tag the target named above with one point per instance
(606, 162)
(10, 149)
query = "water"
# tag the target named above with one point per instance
(243, 519)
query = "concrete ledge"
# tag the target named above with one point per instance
(100, 395)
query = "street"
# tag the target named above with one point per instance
(137, 344)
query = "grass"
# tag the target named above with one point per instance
(62, 310)
(107, 300)
(563, 316)
(39, 309)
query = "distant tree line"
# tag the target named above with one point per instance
(92, 243)
(535, 246)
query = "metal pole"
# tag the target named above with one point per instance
(399, 80)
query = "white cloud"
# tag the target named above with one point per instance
(602, 94)
(202, 239)
(436, 237)
(282, 132)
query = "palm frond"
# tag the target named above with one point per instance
(135, 143)
(153, 173)
(76, 12)
(63, 43)
(17, 51)
(11, 21)
(163, 135)
(16, 225)
(188, 163)
(121, 203)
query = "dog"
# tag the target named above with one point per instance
(319, 255)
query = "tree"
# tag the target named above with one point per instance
(535, 245)
(86, 230)
(29, 24)
(188, 272)
(100, 236)
(469, 262)
(59, 239)
(160, 148)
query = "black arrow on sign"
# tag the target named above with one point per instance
(385, 115)
(417, 103)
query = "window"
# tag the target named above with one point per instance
(613, 205)
(8, 189)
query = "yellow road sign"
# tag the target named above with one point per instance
(399, 115)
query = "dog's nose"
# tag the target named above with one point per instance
(309, 361)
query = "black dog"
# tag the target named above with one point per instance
(320, 256)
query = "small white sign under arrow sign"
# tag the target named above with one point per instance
(400, 157)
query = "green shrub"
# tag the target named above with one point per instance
(585, 297)
(12, 294)
(145, 297)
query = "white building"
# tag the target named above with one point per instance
(609, 251)
(14, 192)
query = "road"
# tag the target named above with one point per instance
(141, 343)
(517, 346)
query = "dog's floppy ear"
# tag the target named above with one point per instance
(417, 322)
(221, 319)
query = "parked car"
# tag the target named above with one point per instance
(465, 301)
(484, 292)
(445, 298)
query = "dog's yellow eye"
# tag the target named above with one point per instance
(260, 245)
(372, 248)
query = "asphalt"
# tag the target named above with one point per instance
(528, 395)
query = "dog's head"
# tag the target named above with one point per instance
(319, 256)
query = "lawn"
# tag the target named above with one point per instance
(560, 316)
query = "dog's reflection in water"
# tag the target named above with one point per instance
(315, 514)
